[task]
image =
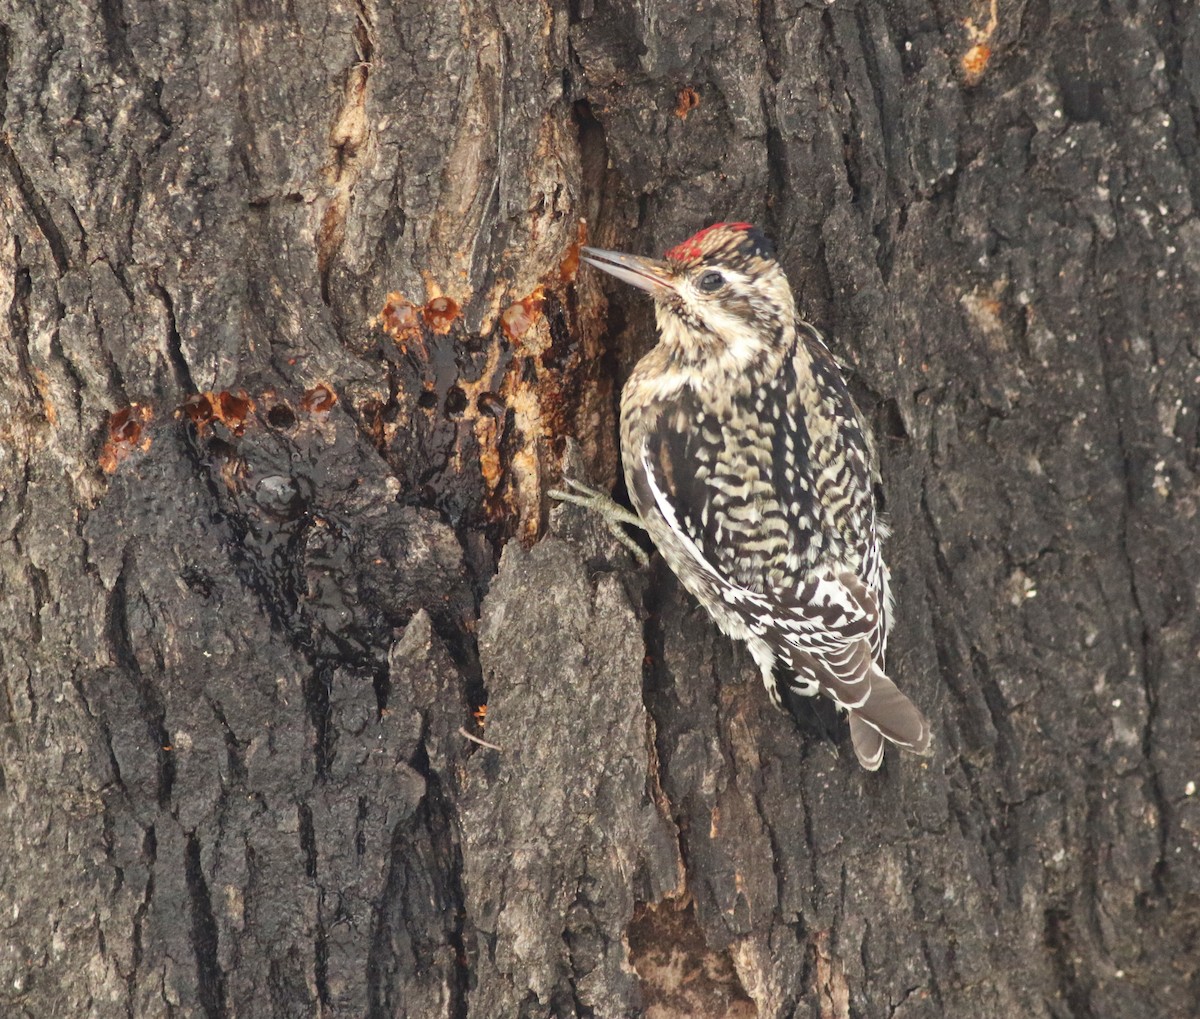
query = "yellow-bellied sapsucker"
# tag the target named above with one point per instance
(748, 465)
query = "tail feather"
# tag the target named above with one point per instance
(878, 710)
(868, 743)
(890, 715)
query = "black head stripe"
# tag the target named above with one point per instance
(755, 243)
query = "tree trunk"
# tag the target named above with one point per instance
(294, 339)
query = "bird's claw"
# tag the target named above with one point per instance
(602, 503)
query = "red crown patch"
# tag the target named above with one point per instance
(691, 247)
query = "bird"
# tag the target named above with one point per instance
(750, 467)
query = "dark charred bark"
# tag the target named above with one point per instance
(293, 340)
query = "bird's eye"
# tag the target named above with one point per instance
(711, 281)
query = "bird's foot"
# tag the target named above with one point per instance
(614, 515)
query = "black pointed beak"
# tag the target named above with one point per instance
(647, 274)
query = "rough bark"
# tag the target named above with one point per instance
(293, 338)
